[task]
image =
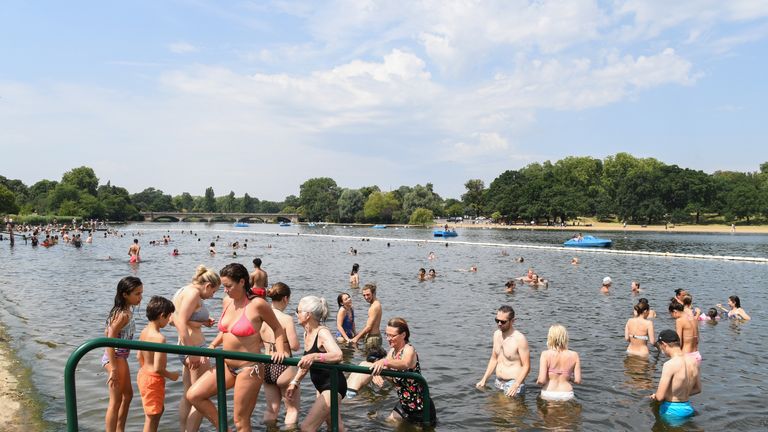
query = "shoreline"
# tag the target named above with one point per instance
(19, 410)
(617, 227)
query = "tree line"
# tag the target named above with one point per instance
(620, 187)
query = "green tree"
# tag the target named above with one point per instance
(351, 204)
(249, 204)
(381, 207)
(17, 187)
(209, 201)
(227, 203)
(422, 197)
(184, 202)
(473, 198)
(83, 179)
(7, 201)
(368, 190)
(151, 199)
(422, 216)
(292, 200)
(320, 198)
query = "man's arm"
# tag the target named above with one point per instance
(491, 364)
(664, 382)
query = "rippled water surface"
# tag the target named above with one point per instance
(55, 299)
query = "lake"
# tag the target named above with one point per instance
(52, 300)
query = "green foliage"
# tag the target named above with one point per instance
(382, 207)
(473, 198)
(209, 201)
(422, 216)
(351, 203)
(7, 201)
(82, 179)
(320, 198)
(422, 197)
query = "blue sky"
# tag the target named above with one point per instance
(258, 96)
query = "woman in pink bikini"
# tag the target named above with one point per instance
(239, 325)
(558, 367)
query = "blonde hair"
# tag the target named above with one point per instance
(204, 275)
(557, 338)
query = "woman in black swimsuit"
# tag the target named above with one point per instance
(323, 348)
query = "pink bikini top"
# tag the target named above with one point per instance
(242, 327)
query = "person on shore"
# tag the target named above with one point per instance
(372, 330)
(651, 312)
(639, 331)
(121, 325)
(354, 277)
(679, 381)
(558, 367)
(422, 274)
(345, 319)
(259, 279)
(313, 311)
(134, 252)
(189, 317)
(605, 288)
(736, 311)
(403, 357)
(687, 330)
(510, 356)
(277, 377)
(510, 286)
(153, 365)
(241, 319)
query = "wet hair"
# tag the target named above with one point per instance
(159, 307)
(124, 287)
(432, 271)
(510, 283)
(340, 299)
(641, 308)
(637, 284)
(204, 275)
(257, 262)
(508, 309)
(315, 306)
(712, 313)
(238, 272)
(735, 300)
(355, 268)
(678, 291)
(643, 300)
(422, 270)
(135, 240)
(675, 306)
(370, 287)
(402, 327)
(213, 244)
(557, 338)
(278, 291)
(687, 300)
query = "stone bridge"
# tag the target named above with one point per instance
(212, 216)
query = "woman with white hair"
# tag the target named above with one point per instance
(311, 313)
(558, 367)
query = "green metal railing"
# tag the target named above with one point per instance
(70, 392)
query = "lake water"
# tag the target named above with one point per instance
(52, 300)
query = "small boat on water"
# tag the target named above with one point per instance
(588, 241)
(285, 224)
(241, 225)
(379, 226)
(311, 225)
(444, 233)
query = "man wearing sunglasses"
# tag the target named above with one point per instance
(510, 358)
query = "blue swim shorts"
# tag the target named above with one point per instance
(675, 413)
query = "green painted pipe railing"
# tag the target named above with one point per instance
(70, 391)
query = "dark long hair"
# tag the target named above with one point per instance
(124, 287)
(236, 272)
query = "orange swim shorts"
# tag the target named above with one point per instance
(152, 390)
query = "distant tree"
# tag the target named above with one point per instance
(151, 199)
(227, 203)
(249, 204)
(7, 201)
(351, 203)
(368, 190)
(422, 197)
(83, 179)
(473, 198)
(320, 197)
(292, 200)
(381, 207)
(422, 216)
(270, 207)
(184, 202)
(209, 201)
(17, 187)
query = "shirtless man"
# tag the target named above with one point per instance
(606, 287)
(528, 276)
(510, 358)
(134, 251)
(679, 380)
(259, 279)
(687, 330)
(372, 329)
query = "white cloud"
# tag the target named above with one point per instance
(182, 47)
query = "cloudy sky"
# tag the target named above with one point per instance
(258, 96)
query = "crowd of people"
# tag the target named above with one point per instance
(250, 323)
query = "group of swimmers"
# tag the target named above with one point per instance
(248, 323)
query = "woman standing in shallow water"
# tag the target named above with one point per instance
(558, 367)
(736, 311)
(354, 277)
(639, 331)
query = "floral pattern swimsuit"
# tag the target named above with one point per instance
(408, 390)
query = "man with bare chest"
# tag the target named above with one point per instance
(510, 358)
(259, 279)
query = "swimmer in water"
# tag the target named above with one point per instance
(558, 367)
(736, 311)
(134, 252)
(510, 286)
(639, 331)
(422, 274)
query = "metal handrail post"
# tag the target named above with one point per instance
(221, 393)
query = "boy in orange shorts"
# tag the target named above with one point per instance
(152, 375)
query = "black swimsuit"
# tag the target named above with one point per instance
(321, 378)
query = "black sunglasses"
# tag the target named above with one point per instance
(502, 322)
